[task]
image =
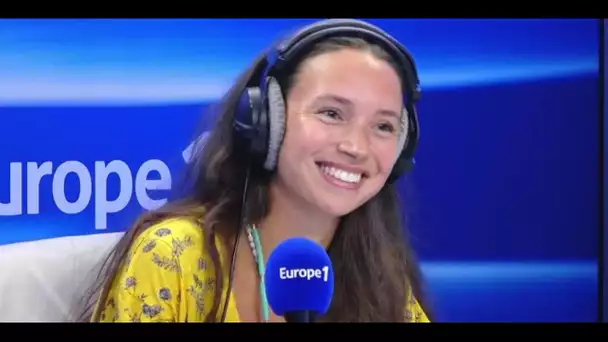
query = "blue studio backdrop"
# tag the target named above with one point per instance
(605, 190)
(96, 115)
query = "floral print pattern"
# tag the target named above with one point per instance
(164, 260)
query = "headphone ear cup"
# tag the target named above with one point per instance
(250, 121)
(405, 132)
(408, 142)
(276, 119)
(402, 166)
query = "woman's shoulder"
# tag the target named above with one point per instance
(414, 311)
(172, 230)
(164, 276)
(180, 239)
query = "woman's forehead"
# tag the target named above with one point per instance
(350, 75)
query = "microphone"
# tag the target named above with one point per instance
(299, 280)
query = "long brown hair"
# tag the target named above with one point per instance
(370, 252)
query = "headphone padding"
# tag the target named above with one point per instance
(276, 118)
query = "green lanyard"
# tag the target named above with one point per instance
(261, 271)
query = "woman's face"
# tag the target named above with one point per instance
(342, 130)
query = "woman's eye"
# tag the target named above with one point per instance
(330, 113)
(387, 127)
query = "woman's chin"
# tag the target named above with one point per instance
(334, 209)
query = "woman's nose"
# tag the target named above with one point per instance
(355, 144)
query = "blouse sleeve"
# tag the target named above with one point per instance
(148, 287)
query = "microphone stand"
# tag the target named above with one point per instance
(303, 316)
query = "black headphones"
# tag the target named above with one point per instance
(260, 116)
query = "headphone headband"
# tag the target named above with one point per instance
(291, 48)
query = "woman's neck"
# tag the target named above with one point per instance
(290, 217)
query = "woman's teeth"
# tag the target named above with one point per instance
(345, 176)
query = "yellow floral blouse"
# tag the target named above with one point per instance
(168, 277)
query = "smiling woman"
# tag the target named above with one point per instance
(309, 143)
